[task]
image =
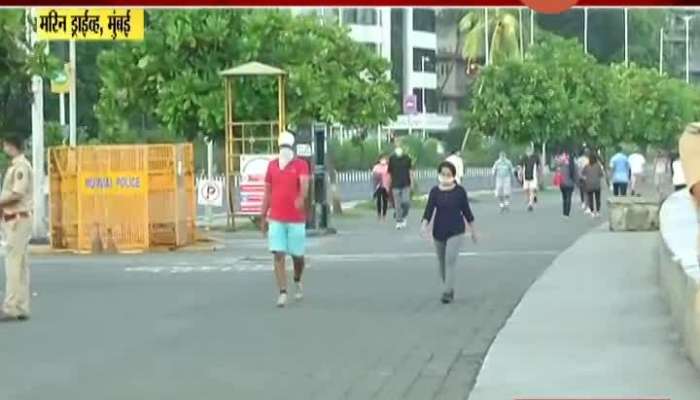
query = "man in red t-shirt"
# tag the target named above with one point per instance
(283, 215)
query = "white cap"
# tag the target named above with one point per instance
(285, 139)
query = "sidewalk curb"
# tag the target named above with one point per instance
(207, 243)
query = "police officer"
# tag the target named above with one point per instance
(16, 200)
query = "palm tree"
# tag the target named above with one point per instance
(504, 40)
(503, 45)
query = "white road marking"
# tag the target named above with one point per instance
(264, 264)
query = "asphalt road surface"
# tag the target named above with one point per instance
(204, 325)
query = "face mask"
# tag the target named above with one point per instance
(445, 181)
(286, 155)
(383, 162)
(399, 151)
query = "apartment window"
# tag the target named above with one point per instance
(423, 20)
(360, 16)
(444, 107)
(418, 63)
(430, 99)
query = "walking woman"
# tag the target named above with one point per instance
(592, 176)
(581, 163)
(567, 180)
(381, 179)
(448, 209)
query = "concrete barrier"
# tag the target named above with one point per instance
(633, 214)
(679, 272)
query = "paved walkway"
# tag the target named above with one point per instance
(183, 326)
(594, 324)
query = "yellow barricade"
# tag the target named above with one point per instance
(122, 197)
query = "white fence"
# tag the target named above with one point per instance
(366, 176)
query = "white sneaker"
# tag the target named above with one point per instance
(398, 226)
(404, 225)
(282, 300)
(299, 291)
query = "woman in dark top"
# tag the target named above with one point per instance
(568, 179)
(448, 209)
(593, 175)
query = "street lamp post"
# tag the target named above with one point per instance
(627, 43)
(585, 30)
(486, 36)
(687, 19)
(72, 107)
(423, 59)
(532, 27)
(520, 28)
(661, 52)
(38, 227)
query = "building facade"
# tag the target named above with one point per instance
(407, 37)
(675, 44)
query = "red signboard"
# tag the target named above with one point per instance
(251, 190)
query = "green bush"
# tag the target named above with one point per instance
(431, 154)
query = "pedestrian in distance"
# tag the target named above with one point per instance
(567, 178)
(283, 216)
(620, 168)
(382, 182)
(401, 176)
(503, 172)
(449, 213)
(531, 170)
(581, 163)
(677, 177)
(16, 203)
(662, 172)
(456, 159)
(637, 163)
(593, 175)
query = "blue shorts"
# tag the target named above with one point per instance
(287, 238)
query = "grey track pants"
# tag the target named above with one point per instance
(402, 203)
(448, 253)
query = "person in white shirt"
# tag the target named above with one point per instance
(456, 160)
(637, 162)
(581, 163)
(677, 173)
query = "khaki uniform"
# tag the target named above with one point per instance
(17, 228)
(689, 149)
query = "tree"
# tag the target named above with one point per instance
(549, 97)
(18, 62)
(173, 74)
(561, 96)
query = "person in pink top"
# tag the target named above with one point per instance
(382, 183)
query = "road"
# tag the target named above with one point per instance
(204, 326)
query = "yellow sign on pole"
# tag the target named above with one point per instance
(90, 24)
(60, 82)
